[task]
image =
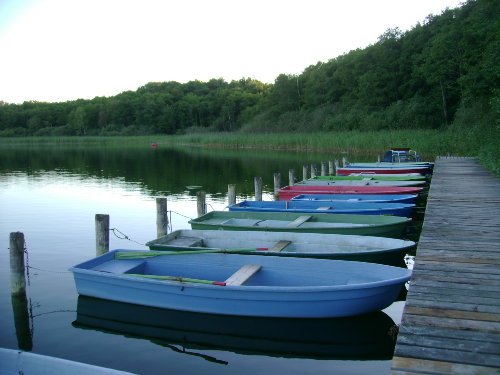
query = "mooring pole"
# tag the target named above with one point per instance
(304, 172)
(323, 168)
(231, 194)
(314, 171)
(345, 162)
(331, 168)
(17, 273)
(18, 292)
(101, 234)
(201, 204)
(277, 184)
(161, 217)
(337, 166)
(258, 188)
(291, 177)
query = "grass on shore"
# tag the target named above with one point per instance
(427, 142)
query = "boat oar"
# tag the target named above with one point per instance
(177, 278)
(147, 254)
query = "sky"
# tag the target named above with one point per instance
(59, 50)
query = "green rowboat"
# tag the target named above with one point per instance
(365, 225)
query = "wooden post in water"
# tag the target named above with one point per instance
(291, 177)
(17, 278)
(258, 188)
(345, 162)
(161, 217)
(101, 234)
(314, 171)
(201, 204)
(18, 292)
(277, 184)
(378, 159)
(304, 172)
(331, 168)
(337, 166)
(231, 194)
(323, 168)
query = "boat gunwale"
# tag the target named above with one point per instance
(250, 288)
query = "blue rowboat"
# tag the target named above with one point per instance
(242, 285)
(373, 249)
(340, 207)
(366, 198)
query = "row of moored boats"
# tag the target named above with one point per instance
(330, 246)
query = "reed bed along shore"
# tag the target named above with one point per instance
(427, 142)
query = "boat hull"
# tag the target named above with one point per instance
(380, 250)
(365, 225)
(363, 182)
(368, 198)
(288, 192)
(17, 362)
(284, 287)
(372, 177)
(356, 208)
(382, 170)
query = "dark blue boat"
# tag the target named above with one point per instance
(327, 207)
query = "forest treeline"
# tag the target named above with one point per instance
(442, 73)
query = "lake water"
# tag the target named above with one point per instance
(52, 193)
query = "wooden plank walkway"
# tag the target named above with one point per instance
(451, 319)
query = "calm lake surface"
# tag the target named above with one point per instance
(52, 193)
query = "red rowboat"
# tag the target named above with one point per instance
(288, 192)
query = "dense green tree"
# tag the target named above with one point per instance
(443, 71)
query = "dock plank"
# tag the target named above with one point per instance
(451, 319)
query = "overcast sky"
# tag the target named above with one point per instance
(58, 50)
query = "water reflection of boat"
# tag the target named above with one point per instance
(362, 337)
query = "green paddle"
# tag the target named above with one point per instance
(177, 278)
(147, 254)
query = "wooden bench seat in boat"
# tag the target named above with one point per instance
(298, 221)
(280, 246)
(187, 241)
(242, 275)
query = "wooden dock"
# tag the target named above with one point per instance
(451, 319)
